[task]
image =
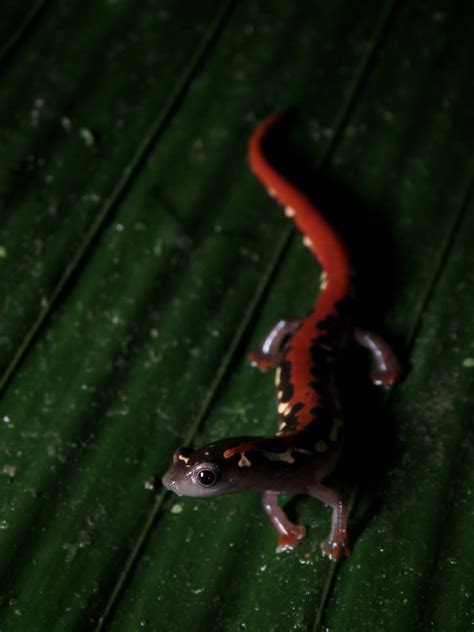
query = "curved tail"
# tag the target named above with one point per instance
(318, 235)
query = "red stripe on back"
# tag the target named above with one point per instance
(328, 249)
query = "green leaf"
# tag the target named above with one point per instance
(140, 260)
(16, 19)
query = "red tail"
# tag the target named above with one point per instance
(319, 236)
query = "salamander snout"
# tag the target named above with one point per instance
(169, 482)
(185, 479)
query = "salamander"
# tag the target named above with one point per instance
(308, 444)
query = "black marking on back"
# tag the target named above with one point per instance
(327, 323)
(291, 419)
(285, 386)
(321, 424)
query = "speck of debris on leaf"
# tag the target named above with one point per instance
(152, 483)
(87, 136)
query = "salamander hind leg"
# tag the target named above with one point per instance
(336, 545)
(270, 353)
(289, 534)
(386, 369)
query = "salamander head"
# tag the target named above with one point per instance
(204, 472)
(235, 465)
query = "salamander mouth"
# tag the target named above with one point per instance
(170, 484)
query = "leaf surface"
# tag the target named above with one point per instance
(140, 260)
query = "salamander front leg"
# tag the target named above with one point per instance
(387, 368)
(269, 354)
(289, 534)
(336, 544)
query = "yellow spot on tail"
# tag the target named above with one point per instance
(307, 242)
(277, 376)
(321, 446)
(244, 462)
(323, 280)
(271, 192)
(289, 211)
(283, 407)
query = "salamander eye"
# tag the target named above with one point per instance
(207, 475)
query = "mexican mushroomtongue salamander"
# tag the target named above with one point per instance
(308, 443)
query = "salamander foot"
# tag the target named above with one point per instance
(385, 379)
(336, 549)
(291, 539)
